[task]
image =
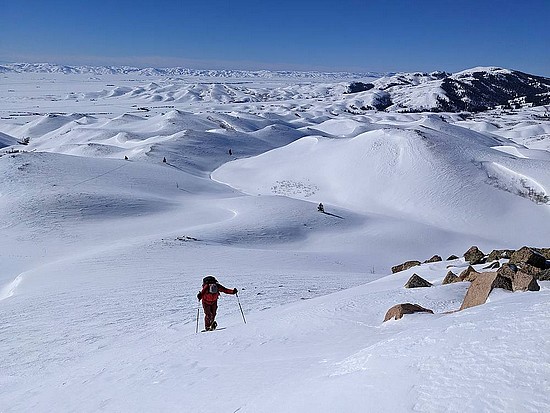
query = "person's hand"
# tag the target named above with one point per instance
(199, 296)
(235, 291)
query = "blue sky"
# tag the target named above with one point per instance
(358, 35)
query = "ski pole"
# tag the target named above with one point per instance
(239, 301)
(198, 312)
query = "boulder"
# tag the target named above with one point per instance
(435, 258)
(524, 282)
(482, 286)
(450, 278)
(529, 269)
(499, 254)
(397, 311)
(526, 255)
(417, 281)
(469, 274)
(508, 271)
(474, 256)
(452, 257)
(405, 266)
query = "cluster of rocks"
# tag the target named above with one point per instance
(525, 267)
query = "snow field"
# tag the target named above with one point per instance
(102, 257)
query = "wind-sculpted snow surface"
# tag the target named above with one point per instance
(120, 190)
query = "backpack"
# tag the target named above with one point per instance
(212, 284)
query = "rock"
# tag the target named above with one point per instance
(495, 264)
(528, 256)
(416, 281)
(474, 256)
(529, 269)
(452, 257)
(435, 258)
(469, 274)
(405, 266)
(397, 311)
(508, 271)
(482, 286)
(450, 278)
(524, 282)
(543, 275)
(499, 254)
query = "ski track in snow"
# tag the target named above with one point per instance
(110, 251)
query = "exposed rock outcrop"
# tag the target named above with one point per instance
(526, 255)
(469, 274)
(499, 254)
(524, 282)
(474, 256)
(482, 286)
(397, 311)
(452, 257)
(416, 282)
(450, 278)
(435, 258)
(405, 266)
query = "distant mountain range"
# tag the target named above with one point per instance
(180, 71)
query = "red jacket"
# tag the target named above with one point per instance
(210, 298)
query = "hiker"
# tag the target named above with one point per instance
(230, 152)
(164, 160)
(209, 294)
(321, 208)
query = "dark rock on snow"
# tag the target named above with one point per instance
(528, 256)
(435, 258)
(452, 257)
(469, 274)
(474, 256)
(397, 311)
(524, 282)
(416, 282)
(405, 266)
(450, 278)
(498, 254)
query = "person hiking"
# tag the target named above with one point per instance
(321, 208)
(209, 294)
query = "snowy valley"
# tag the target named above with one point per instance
(122, 188)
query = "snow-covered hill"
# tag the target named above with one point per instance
(473, 90)
(132, 188)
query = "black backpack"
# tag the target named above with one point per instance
(212, 284)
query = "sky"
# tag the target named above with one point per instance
(337, 35)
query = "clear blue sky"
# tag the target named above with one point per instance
(361, 35)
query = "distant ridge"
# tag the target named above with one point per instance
(473, 90)
(181, 71)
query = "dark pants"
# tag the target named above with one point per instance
(209, 313)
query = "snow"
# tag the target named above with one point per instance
(102, 256)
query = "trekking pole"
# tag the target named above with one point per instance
(239, 301)
(198, 312)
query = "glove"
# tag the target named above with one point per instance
(235, 291)
(199, 296)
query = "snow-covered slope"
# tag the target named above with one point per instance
(104, 246)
